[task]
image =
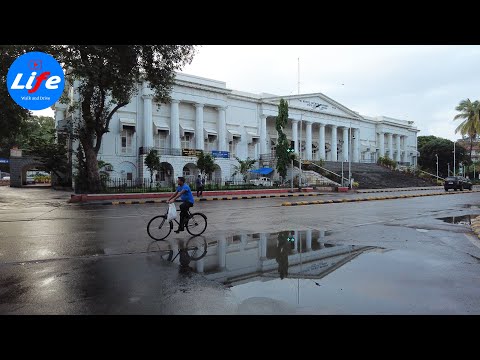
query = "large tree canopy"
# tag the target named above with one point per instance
(432, 145)
(108, 77)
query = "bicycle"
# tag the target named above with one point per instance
(159, 228)
(195, 249)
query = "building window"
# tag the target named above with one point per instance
(233, 148)
(185, 141)
(251, 151)
(211, 143)
(273, 146)
(161, 140)
(126, 138)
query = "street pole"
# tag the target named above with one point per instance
(291, 177)
(300, 151)
(454, 158)
(437, 165)
(448, 172)
(349, 156)
(342, 172)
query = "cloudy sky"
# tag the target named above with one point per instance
(417, 83)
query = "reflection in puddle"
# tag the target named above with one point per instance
(462, 220)
(287, 254)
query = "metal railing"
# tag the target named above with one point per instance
(327, 171)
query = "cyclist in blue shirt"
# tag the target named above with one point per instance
(183, 191)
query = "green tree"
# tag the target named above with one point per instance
(206, 163)
(104, 173)
(152, 162)
(282, 155)
(54, 156)
(109, 76)
(243, 167)
(423, 140)
(469, 112)
(444, 149)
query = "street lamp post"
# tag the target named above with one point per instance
(437, 164)
(454, 158)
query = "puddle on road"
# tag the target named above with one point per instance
(300, 272)
(461, 220)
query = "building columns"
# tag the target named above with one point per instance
(321, 141)
(222, 129)
(333, 150)
(263, 134)
(308, 144)
(199, 141)
(390, 146)
(174, 125)
(381, 138)
(398, 158)
(148, 121)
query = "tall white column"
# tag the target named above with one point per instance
(222, 129)
(405, 148)
(309, 240)
(381, 138)
(345, 144)
(263, 134)
(59, 112)
(390, 145)
(308, 144)
(148, 121)
(295, 134)
(263, 246)
(199, 142)
(356, 142)
(334, 143)
(174, 124)
(321, 141)
(222, 252)
(398, 148)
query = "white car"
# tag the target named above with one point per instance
(263, 181)
(6, 178)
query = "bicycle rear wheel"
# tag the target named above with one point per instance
(159, 228)
(197, 223)
(196, 247)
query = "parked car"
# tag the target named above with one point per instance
(6, 178)
(263, 181)
(457, 183)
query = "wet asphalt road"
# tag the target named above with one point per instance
(59, 258)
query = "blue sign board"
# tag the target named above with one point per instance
(4, 161)
(221, 154)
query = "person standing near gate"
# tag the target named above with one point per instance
(199, 183)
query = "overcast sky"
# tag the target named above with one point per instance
(418, 83)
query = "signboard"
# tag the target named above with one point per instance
(221, 154)
(191, 152)
(4, 161)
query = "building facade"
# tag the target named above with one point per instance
(205, 115)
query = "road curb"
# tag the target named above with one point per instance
(394, 190)
(137, 202)
(321, 202)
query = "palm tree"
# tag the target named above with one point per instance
(243, 167)
(470, 113)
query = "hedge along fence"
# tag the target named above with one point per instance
(386, 161)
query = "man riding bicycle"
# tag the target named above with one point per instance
(183, 191)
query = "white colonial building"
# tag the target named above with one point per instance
(205, 115)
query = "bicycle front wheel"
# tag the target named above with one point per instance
(196, 247)
(197, 223)
(159, 228)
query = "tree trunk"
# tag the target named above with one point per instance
(93, 175)
(471, 146)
